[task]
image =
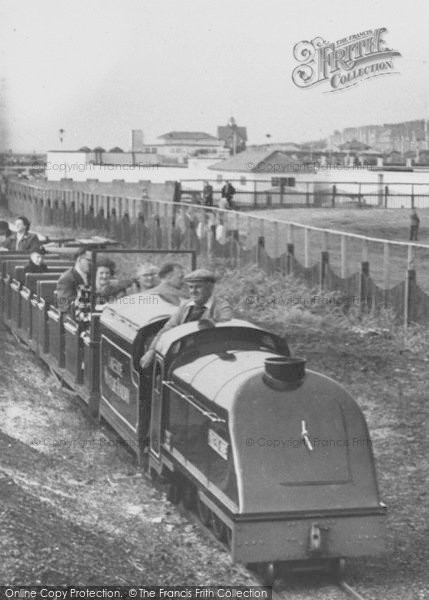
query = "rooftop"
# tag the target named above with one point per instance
(261, 161)
(186, 135)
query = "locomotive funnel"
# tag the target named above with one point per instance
(285, 369)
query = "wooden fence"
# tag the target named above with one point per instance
(369, 272)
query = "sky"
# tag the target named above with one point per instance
(99, 69)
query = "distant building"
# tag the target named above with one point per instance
(233, 136)
(183, 145)
(260, 161)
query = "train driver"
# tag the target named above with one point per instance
(203, 305)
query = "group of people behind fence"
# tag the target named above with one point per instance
(227, 194)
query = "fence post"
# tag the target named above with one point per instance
(306, 248)
(236, 239)
(334, 193)
(260, 243)
(386, 273)
(412, 195)
(343, 256)
(324, 260)
(410, 288)
(364, 275)
(290, 250)
(307, 194)
(276, 241)
(259, 250)
(386, 194)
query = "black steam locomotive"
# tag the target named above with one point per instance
(275, 458)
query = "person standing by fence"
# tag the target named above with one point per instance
(414, 225)
(208, 194)
(228, 192)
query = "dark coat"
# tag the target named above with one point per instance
(228, 191)
(67, 289)
(114, 290)
(29, 243)
(219, 311)
(30, 267)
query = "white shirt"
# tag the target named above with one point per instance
(82, 274)
(19, 238)
(207, 305)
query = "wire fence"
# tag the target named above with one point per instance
(379, 273)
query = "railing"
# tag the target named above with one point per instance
(291, 192)
(369, 272)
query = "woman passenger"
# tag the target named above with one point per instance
(22, 240)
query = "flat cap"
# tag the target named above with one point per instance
(201, 275)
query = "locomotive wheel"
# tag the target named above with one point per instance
(268, 572)
(174, 492)
(218, 528)
(188, 496)
(203, 512)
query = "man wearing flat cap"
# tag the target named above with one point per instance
(203, 305)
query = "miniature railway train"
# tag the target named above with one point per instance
(274, 458)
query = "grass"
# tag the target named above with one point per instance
(387, 224)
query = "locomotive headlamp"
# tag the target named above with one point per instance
(284, 372)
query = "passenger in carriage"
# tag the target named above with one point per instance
(106, 288)
(22, 239)
(71, 281)
(5, 234)
(147, 277)
(203, 306)
(171, 288)
(36, 264)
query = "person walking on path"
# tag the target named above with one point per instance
(414, 225)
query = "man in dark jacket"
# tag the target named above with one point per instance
(22, 239)
(228, 192)
(69, 283)
(203, 305)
